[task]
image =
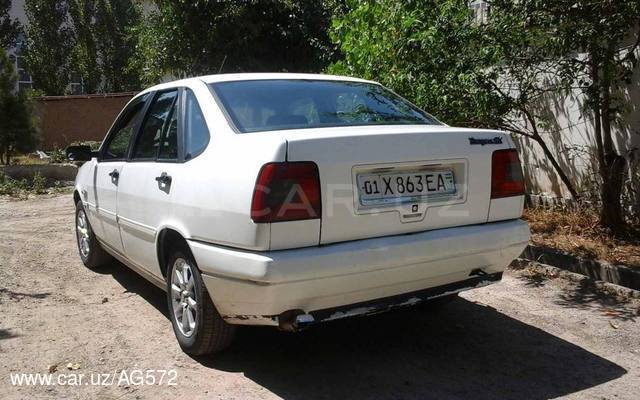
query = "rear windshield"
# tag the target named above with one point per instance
(266, 105)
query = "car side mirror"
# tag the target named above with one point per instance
(80, 153)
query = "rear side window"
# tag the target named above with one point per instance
(196, 131)
(156, 127)
(118, 145)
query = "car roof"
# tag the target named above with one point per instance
(253, 77)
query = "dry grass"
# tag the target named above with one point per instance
(577, 231)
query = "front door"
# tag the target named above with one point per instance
(109, 173)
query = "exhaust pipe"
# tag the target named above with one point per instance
(295, 320)
(303, 320)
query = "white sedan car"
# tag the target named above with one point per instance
(291, 199)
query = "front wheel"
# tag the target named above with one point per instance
(197, 324)
(91, 254)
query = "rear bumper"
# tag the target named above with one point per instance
(253, 288)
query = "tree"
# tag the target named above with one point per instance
(592, 38)
(105, 44)
(92, 39)
(427, 50)
(18, 132)
(85, 53)
(589, 47)
(50, 45)
(522, 72)
(464, 72)
(9, 28)
(188, 38)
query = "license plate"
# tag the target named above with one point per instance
(390, 187)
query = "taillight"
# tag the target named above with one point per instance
(506, 174)
(286, 191)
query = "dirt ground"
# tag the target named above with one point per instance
(528, 337)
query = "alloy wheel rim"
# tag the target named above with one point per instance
(82, 230)
(183, 297)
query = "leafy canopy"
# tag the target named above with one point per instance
(429, 51)
(91, 41)
(204, 37)
(9, 28)
(49, 45)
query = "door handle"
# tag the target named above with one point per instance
(114, 174)
(164, 178)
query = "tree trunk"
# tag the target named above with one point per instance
(611, 215)
(597, 122)
(563, 177)
(614, 168)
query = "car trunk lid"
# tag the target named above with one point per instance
(387, 180)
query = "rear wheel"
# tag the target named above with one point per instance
(92, 255)
(197, 324)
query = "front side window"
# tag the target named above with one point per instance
(118, 145)
(266, 105)
(156, 126)
(196, 131)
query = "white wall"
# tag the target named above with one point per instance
(570, 137)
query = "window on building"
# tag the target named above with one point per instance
(480, 10)
(77, 84)
(24, 79)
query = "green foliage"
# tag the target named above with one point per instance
(50, 44)
(91, 40)
(188, 38)
(57, 155)
(12, 187)
(9, 28)
(22, 188)
(429, 51)
(18, 132)
(38, 183)
(105, 43)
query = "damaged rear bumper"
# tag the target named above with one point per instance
(355, 278)
(292, 321)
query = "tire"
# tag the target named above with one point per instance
(91, 253)
(198, 326)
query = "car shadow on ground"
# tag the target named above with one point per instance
(134, 283)
(464, 350)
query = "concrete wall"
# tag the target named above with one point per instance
(58, 172)
(67, 119)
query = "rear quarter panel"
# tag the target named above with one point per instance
(212, 192)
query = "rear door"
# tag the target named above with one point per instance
(146, 187)
(108, 172)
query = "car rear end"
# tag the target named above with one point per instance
(367, 218)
